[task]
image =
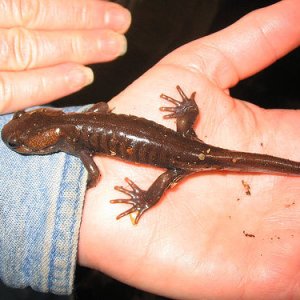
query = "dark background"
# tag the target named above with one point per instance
(158, 27)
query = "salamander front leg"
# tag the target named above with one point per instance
(142, 200)
(91, 167)
(185, 112)
(99, 107)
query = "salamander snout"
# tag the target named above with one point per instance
(9, 138)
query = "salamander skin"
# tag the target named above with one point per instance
(98, 131)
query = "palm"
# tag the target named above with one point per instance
(198, 241)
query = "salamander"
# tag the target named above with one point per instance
(100, 131)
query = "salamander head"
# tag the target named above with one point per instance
(33, 132)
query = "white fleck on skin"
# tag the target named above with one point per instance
(201, 156)
(57, 131)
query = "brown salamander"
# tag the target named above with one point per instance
(99, 131)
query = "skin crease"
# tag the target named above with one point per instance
(194, 243)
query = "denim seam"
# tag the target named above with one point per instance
(67, 219)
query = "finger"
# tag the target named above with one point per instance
(67, 14)
(19, 90)
(25, 49)
(243, 49)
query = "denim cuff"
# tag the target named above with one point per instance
(41, 201)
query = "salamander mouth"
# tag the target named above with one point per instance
(23, 149)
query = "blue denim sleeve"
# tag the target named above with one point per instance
(41, 200)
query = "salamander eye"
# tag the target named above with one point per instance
(18, 114)
(13, 143)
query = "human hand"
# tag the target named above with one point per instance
(45, 43)
(195, 243)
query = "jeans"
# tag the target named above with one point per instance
(41, 201)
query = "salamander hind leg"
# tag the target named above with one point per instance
(185, 112)
(142, 200)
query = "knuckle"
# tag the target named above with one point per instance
(29, 10)
(24, 48)
(4, 51)
(83, 14)
(5, 93)
(76, 46)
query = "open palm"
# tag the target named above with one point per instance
(217, 235)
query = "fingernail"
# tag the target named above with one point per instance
(114, 44)
(79, 77)
(119, 18)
